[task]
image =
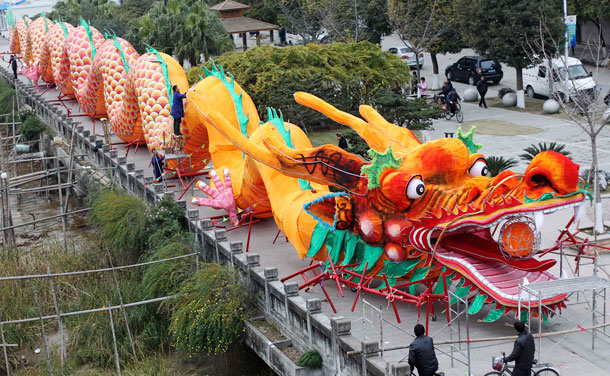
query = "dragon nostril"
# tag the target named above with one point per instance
(540, 180)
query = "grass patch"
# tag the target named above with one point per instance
(532, 106)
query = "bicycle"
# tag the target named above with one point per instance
(502, 369)
(459, 116)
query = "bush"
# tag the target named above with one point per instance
(209, 316)
(166, 278)
(505, 90)
(166, 219)
(345, 75)
(310, 359)
(90, 335)
(31, 128)
(122, 219)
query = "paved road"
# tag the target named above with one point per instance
(601, 75)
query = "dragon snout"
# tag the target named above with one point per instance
(551, 171)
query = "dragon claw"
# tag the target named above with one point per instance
(220, 197)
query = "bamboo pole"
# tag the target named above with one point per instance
(42, 220)
(8, 365)
(116, 351)
(93, 310)
(62, 349)
(44, 336)
(53, 275)
(118, 289)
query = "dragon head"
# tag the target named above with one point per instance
(434, 202)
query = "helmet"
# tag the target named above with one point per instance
(497, 363)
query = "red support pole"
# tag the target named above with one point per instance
(391, 297)
(335, 275)
(328, 298)
(359, 287)
(302, 271)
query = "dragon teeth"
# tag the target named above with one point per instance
(539, 220)
(578, 212)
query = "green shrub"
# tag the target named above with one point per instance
(167, 217)
(345, 75)
(31, 128)
(166, 278)
(90, 339)
(194, 75)
(310, 359)
(122, 219)
(209, 316)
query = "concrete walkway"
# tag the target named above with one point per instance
(570, 356)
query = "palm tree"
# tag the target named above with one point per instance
(495, 165)
(533, 150)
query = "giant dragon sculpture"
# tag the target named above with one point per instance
(415, 212)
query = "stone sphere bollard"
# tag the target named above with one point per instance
(606, 115)
(551, 106)
(509, 100)
(471, 95)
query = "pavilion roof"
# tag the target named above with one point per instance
(243, 24)
(229, 5)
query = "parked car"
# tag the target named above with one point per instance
(470, 69)
(536, 79)
(408, 56)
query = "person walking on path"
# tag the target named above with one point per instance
(482, 89)
(523, 351)
(422, 88)
(13, 63)
(421, 353)
(177, 109)
(157, 163)
(342, 141)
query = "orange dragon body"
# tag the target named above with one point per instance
(416, 214)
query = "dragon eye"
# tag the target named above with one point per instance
(415, 188)
(479, 168)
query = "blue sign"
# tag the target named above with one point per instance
(571, 29)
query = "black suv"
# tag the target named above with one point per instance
(471, 68)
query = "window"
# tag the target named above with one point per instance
(393, 50)
(487, 64)
(462, 62)
(542, 72)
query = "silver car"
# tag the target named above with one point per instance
(408, 56)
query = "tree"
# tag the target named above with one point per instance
(503, 30)
(586, 110)
(449, 41)
(204, 33)
(420, 24)
(301, 20)
(99, 13)
(344, 74)
(264, 10)
(186, 29)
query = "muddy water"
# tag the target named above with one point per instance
(29, 206)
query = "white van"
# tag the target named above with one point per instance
(536, 79)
